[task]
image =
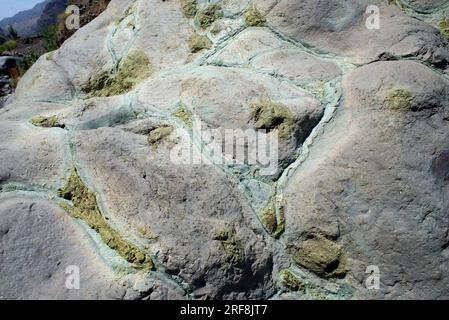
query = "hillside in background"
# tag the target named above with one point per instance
(50, 14)
(25, 22)
(30, 23)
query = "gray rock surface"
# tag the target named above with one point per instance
(38, 242)
(338, 26)
(370, 181)
(363, 177)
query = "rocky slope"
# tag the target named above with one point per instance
(87, 178)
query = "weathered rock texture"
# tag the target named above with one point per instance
(363, 177)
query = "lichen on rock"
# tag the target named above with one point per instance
(269, 115)
(319, 255)
(254, 18)
(46, 122)
(147, 233)
(443, 26)
(209, 15)
(133, 69)
(231, 245)
(158, 134)
(84, 207)
(197, 43)
(49, 56)
(399, 99)
(272, 218)
(290, 281)
(189, 8)
(184, 115)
